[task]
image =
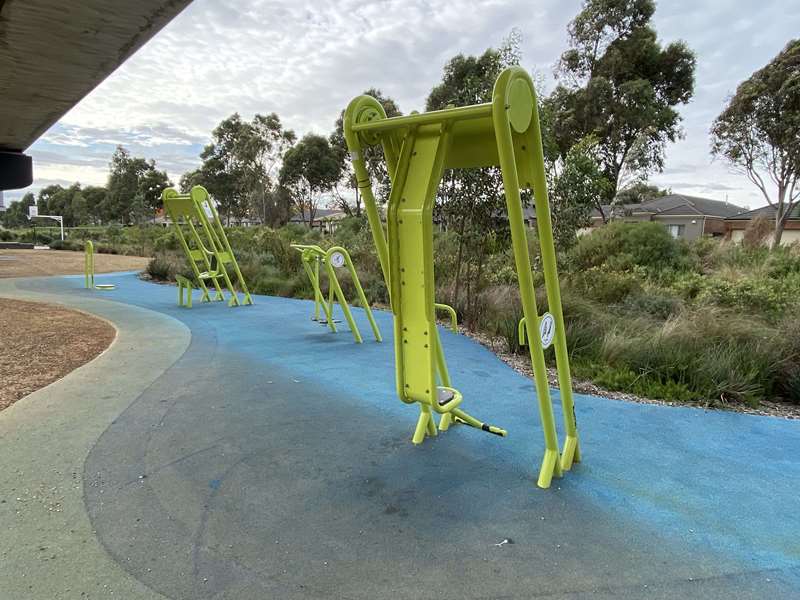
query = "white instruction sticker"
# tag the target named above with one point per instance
(208, 211)
(547, 329)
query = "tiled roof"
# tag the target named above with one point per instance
(321, 213)
(680, 204)
(764, 211)
(676, 204)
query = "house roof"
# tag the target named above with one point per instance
(322, 213)
(676, 204)
(764, 211)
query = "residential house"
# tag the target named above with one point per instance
(685, 217)
(736, 224)
(326, 220)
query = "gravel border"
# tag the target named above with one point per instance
(521, 364)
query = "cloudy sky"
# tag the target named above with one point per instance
(305, 60)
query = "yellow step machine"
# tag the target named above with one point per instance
(504, 132)
(197, 224)
(333, 258)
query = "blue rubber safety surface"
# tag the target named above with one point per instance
(273, 460)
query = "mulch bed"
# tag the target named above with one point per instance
(41, 343)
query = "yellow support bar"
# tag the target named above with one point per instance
(197, 211)
(418, 147)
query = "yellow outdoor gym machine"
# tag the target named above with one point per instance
(331, 259)
(194, 214)
(88, 270)
(504, 132)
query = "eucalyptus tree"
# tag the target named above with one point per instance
(470, 203)
(373, 156)
(240, 166)
(621, 86)
(758, 133)
(133, 191)
(310, 170)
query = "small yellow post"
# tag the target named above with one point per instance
(88, 265)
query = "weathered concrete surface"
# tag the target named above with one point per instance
(48, 548)
(53, 53)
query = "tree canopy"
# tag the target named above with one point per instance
(639, 192)
(758, 133)
(620, 85)
(239, 166)
(310, 169)
(133, 191)
(373, 157)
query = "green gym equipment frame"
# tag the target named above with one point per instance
(88, 270)
(88, 265)
(506, 133)
(331, 259)
(194, 214)
(184, 284)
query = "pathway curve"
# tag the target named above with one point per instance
(272, 460)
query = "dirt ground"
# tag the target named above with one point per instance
(36, 263)
(43, 342)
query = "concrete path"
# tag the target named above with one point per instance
(270, 458)
(48, 548)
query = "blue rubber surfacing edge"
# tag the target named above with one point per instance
(722, 483)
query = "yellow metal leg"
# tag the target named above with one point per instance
(424, 425)
(550, 468)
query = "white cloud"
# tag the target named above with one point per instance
(306, 59)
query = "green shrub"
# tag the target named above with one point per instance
(762, 295)
(623, 246)
(625, 380)
(653, 303)
(606, 287)
(782, 262)
(162, 268)
(503, 312)
(789, 349)
(720, 356)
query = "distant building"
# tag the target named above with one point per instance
(735, 225)
(2, 202)
(325, 219)
(685, 217)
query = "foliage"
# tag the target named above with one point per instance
(239, 168)
(310, 169)
(638, 192)
(373, 157)
(470, 203)
(576, 189)
(622, 86)
(160, 268)
(16, 215)
(133, 192)
(624, 246)
(758, 133)
(756, 232)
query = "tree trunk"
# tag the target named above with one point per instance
(457, 283)
(779, 225)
